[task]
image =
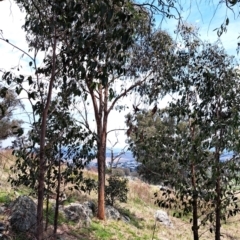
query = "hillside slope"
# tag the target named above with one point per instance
(139, 208)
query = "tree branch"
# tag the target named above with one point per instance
(138, 83)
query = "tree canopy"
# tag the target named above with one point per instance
(9, 103)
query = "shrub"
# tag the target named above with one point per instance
(126, 171)
(118, 172)
(116, 190)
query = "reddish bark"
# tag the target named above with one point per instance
(42, 161)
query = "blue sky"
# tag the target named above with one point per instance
(205, 15)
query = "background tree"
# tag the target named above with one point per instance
(8, 104)
(206, 85)
(150, 138)
(115, 157)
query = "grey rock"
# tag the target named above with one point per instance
(112, 213)
(125, 219)
(90, 208)
(162, 216)
(24, 215)
(2, 209)
(77, 212)
(2, 227)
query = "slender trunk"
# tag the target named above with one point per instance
(42, 161)
(41, 181)
(218, 181)
(47, 212)
(101, 145)
(112, 160)
(194, 194)
(194, 205)
(218, 200)
(218, 211)
(102, 141)
(101, 182)
(57, 197)
(47, 202)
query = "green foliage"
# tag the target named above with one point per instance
(150, 141)
(89, 185)
(207, 93)
(118, 172)
(182, 145)
(5, 198)
(51, 214)
(116, 190)
(8, 104)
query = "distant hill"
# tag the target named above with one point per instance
(126, 157)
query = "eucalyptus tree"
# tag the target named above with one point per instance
(9, 103)
(207, 96)
(96, 49)
(151, 137)
(43, 35)
(68, 149)
(73, 36)
(205, 85)
(131, 77)
(85, 44)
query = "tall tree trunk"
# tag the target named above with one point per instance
(41, 180)
(58, 194)
(101, 181)
(194, 194)
(42, 160)
(194, 205)
(103, 107)
(218, 181)
(218, 199)
(100, 105)
(47, 200)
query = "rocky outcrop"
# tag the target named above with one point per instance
(125, 219)
(23, 215)
(112, 213)
(2, 229)
(162, 216)
(81, 213)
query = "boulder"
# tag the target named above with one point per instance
(162, 216)
(23, 215)
(2, 227)
(77, 212)
(90, 208)
(112, 213)
(125, 219)
(2, 209)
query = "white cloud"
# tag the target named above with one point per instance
(11, 22)
(209, 16)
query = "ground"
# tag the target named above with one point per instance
(140, 208)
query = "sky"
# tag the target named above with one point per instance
(203, 14)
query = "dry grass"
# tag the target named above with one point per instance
(140, 208)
